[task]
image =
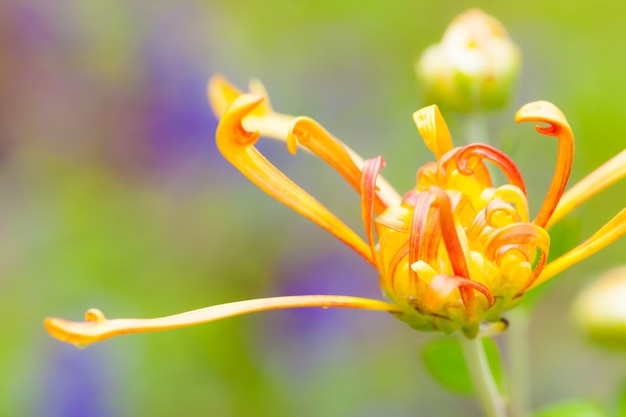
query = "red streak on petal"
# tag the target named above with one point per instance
(478, 151)
(452, 243)
(545, 112)
(369, 174)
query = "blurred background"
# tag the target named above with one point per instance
(113, 195)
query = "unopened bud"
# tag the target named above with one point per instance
(600, 310)
(474, 67)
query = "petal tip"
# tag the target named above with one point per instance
(541, 111)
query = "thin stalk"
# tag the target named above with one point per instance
(519, 376)
(490, 398)
(475, 127)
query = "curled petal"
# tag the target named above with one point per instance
(314, 137)
(515, 237)
(371, 169)
(442, 286)
(297, 131)
(546, 112)
(425, 235)
(221, 94)
(236, 144)
(477, 151)
(262, 118)
(607, 234)
(433, 129)
(453, 243)
(96, 327)
(513, 195)
(499, 214)
(608, 173)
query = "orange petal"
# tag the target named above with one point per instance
(607, 234)
(96, 327)
(433, 129)
(314, 137)
(453, 244)
(237, 146)
(298, 132)
(442, 286)
(499, 158)
(608, 173)
(371, 169)
(518, 236)
(546, 112)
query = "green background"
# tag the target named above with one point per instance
(113, 196)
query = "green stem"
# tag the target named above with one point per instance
(488, 394)
(517, 345)
(475, 128)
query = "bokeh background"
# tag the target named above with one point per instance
(113, 195)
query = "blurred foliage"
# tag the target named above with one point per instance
(444, 360)
(114, 197)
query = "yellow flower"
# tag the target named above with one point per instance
(453, 253)
(475, 66)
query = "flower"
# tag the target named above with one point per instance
(475, 66)
(453, 253)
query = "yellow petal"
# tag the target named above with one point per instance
(297, 132)
(608, 234)
(96, 327)
(237, 146)
(433, 129)
(608, 173)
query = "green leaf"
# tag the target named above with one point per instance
(565, 235)
(444, 360)
(572, 408)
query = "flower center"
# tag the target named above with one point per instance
(458, 250)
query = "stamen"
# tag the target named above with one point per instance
(236, 144)
(96, 327)
(477, 151)
(546, 112)
(453, 244)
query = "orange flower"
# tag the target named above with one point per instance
(453, 253)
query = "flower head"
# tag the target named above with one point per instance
(474, 67)
(453, 253)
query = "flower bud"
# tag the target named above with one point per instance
(600, 310)
(473, 68)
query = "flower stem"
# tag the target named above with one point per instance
(476, 130)
(488, 394)
(517, 344)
